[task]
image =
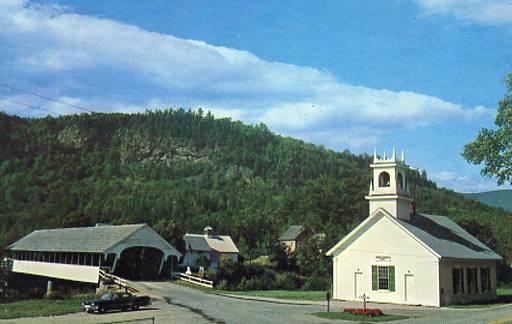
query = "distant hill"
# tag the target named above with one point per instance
(180, 170)
(497, 198)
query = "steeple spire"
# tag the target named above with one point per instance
(389, 189)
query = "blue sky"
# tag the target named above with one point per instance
(421, 75)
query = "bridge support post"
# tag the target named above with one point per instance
(115, 263)
(49, 288)
(162, 264)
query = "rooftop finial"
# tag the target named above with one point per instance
(375, 155)
(384, 158)
(393, 155)
(403, 156)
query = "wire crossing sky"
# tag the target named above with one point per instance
(421, 75)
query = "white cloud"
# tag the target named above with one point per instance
(486, 12)
(103, 56)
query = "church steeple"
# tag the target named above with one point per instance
(389, 188)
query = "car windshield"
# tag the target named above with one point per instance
(105, 297)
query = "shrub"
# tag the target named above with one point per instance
(317, 282)
(287, 281)
(222, 285)
(372, 312)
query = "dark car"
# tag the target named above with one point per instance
(118, 301)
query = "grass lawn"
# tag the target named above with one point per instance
(41, 307)
(358, 318)
(284, 294)
(504, 292)
(280, 294)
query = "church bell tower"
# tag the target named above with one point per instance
(389, 188)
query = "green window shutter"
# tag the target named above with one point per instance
(374, 278)
(391, 278)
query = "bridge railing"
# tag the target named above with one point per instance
(123, 283)
(195, 280)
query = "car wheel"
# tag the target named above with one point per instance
(135, 307)
(101, 310)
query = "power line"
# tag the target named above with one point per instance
(46, 98)
(27, 105)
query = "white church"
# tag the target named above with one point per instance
(398, 256)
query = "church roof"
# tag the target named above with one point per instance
(292, 233)
(204, 243)
(439, 234)
(446, 238)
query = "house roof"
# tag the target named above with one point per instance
(99, 239)
(439, 234)
(318, 236)
(292, 233)
(446, 238)
(204, 243)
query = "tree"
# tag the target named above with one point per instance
(4, 277)
(493, 147)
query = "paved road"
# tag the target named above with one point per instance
(178, 304)
(230, 310)
(221, 309)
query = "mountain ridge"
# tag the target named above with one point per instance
(494, 198)
(180, 170)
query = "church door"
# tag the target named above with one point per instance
(409, 288)
(358, 285)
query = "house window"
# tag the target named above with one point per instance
(472, 280)
(485, 279)
(458, 280)
(384, 179)
(383, 278)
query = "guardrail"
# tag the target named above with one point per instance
(195, 280)
(123, 283)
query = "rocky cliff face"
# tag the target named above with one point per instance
(145, 148)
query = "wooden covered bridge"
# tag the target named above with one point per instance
(131, 251)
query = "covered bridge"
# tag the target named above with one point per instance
(132, 251)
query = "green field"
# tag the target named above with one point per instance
(41, 307)
(504, 292)
(358, 318)
(284, 294)
(280, 294)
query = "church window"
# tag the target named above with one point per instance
(400, 181)
(458, 280)
(472, 280)
(485, 279)
(384, 179)
(383, 278)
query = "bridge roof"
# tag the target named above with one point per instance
(98, 239)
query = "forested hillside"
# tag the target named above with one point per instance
(179, 170)
(497, 198)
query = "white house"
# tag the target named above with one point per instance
(399, 256)
(211, 245)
